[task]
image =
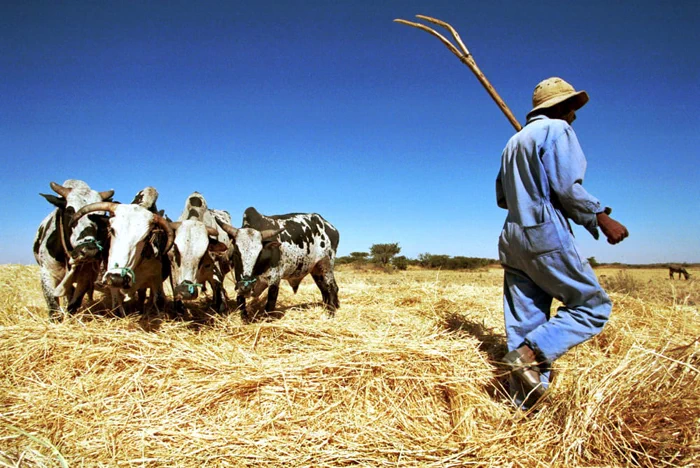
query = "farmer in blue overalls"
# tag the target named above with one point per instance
(540, 184)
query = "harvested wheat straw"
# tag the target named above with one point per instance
(402, 376)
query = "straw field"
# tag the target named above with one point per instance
(404, 375)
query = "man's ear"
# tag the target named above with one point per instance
(58, 202)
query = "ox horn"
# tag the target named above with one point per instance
(175, 225)
(162, 222)
(60, 189)
(92, 207)
(228, 229)
(268, 234)
(212, 231)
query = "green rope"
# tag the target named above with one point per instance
(126, 271)
(248, 282)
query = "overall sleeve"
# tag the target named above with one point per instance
(500, 196)
(565, 165)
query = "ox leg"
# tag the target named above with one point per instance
(117, 302)
(240, 301)
(47, 287)
(219, 298)
(272, 293)
(86, 281)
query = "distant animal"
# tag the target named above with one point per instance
(678, 269)
(68, 254)
(268, 249)
(139, 241)
(201, 253)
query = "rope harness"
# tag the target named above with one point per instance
(248, 281)
(126, 271)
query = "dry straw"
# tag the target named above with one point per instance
(403, 376)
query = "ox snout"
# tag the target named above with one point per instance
(186, 291)
(245, 287)
(86, 252)
(121, 278)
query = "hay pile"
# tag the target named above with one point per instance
(403, 376)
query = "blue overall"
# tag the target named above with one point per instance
(542, 169)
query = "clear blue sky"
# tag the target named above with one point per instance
(330, 107)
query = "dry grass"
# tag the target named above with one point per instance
(403, 376)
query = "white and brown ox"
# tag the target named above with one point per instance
(268, 249)
(200, 253)
(139, 241)
(69, 256)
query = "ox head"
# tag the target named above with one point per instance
(135, 233)
(254, 253)
(84, 240)
(192, 256)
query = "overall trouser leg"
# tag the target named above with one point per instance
(585, 310)
(526, 307)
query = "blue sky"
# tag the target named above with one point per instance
(330, 107)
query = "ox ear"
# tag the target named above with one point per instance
(107, 195)
(272, 245)
(54, 200)
(216, 246)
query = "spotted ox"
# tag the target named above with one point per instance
(69, 256)
(139, 239)
(268, 249)
(200, 253)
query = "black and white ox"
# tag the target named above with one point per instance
(200, 253)
(69, 255)
(139, 241)
(268, 249)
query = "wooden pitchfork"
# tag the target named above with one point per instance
(466, 58)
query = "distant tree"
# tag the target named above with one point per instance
(354, 257)
(427, 260)
(383, 253)
(359, 256)
(400, 262)
(594, 263)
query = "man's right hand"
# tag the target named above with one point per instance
(614, 231)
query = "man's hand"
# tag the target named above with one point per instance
(613, 230)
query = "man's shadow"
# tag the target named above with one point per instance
(492, 343)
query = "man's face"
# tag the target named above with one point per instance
(569, 117)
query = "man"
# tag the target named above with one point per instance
(540, 184)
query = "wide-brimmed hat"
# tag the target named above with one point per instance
(552, 91)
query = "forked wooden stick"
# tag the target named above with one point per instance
(466, 58)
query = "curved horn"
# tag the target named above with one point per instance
(92, 207)
(60, 189)
(107, 194)
(162, 222)
(212, 231)
(268, 234)
(175, 225)
(228, 229)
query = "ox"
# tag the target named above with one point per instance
(139, 240)
(200, 253)
(678, 269)
(69, 256)
(268, 249)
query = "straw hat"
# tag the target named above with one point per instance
(552, 91)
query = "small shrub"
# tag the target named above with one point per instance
(623, 282)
